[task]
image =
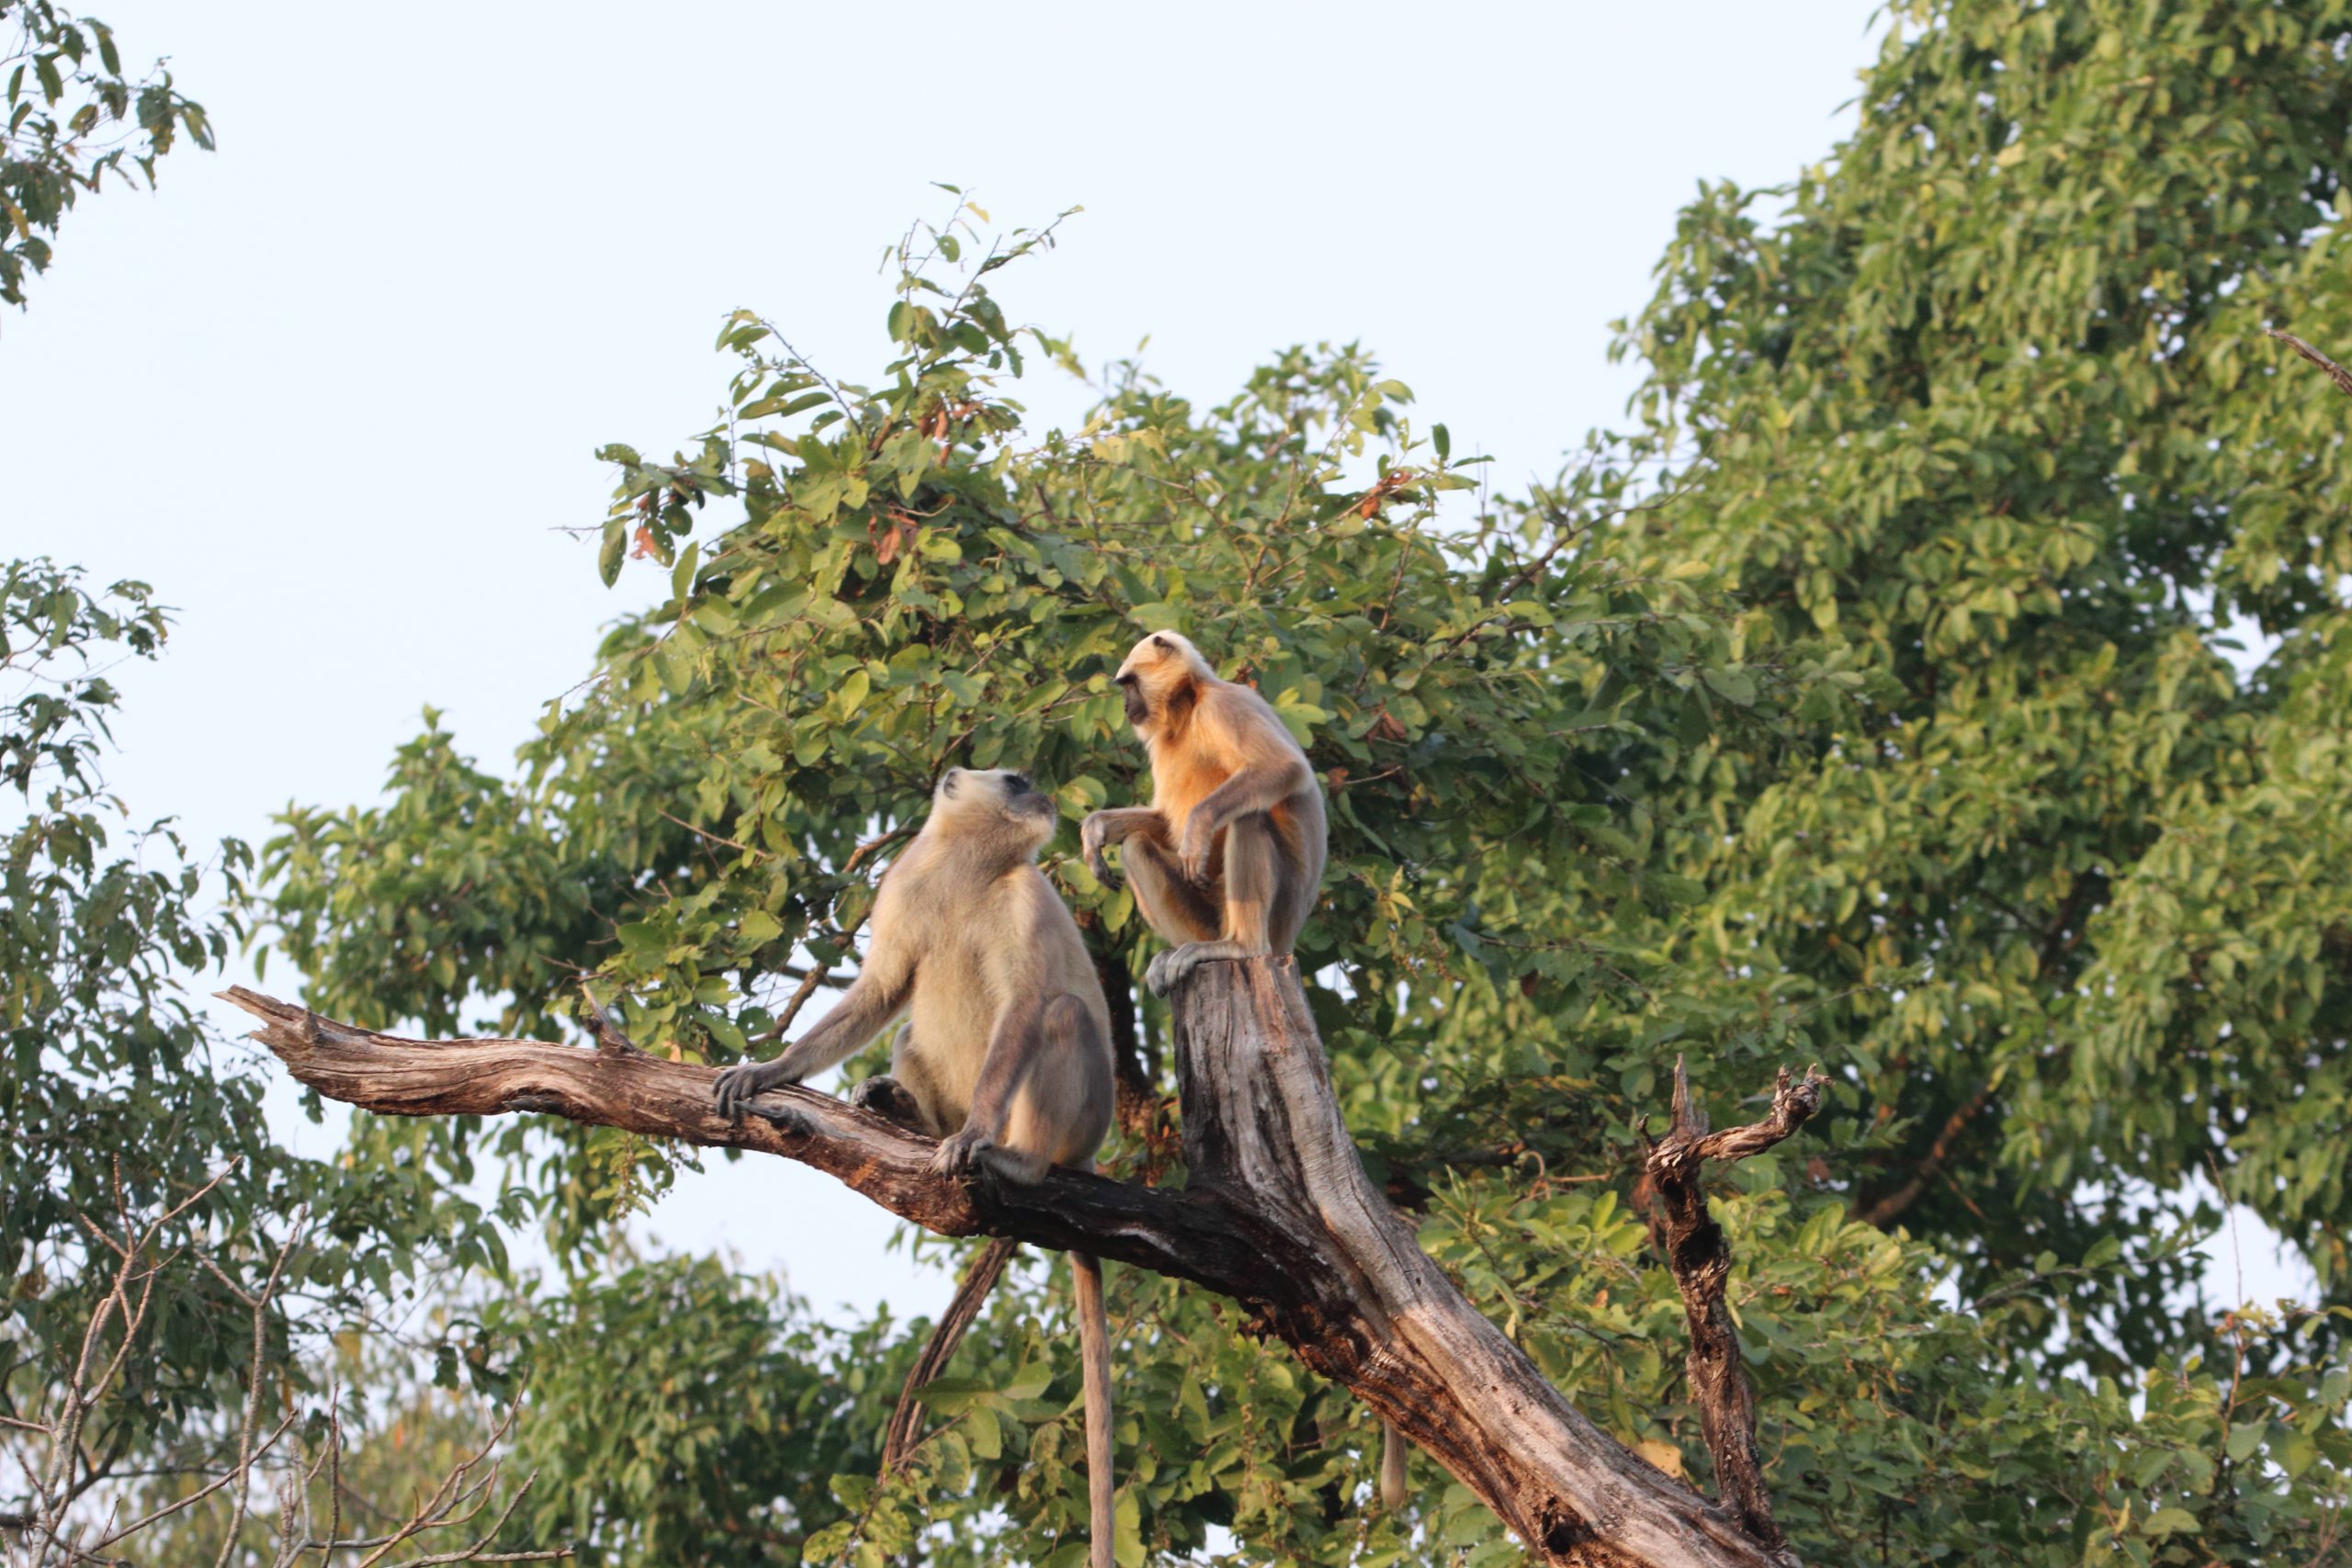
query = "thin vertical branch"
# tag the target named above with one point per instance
(1700, 1257)
(903, 1435)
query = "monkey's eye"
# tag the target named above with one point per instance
(1017, 783)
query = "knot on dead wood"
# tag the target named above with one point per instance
(1565, 1529)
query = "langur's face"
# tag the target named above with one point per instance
(1155, 665)
(997, 797)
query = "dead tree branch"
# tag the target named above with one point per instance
(2336, 373)
(1701, 1260)
(1277, 1214)
(904, 1434)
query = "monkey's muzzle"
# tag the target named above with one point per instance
(1131, 690)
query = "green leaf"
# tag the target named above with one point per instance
(609, 553)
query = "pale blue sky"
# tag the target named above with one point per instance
(334, 387)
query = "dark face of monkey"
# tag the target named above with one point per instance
(1131, 690)
(1159, 665)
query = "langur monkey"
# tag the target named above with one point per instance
(1226, 862)
(1006, 1056)
(1227, 859)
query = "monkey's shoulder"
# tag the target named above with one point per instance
(1240, 718)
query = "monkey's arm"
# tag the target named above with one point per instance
(1102, 829)
(1272, 770)
(877, 996)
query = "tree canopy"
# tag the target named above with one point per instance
(1940, 679)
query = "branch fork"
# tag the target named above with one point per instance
(1700, 1259)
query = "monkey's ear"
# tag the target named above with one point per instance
(947, 781)
(1159, 642)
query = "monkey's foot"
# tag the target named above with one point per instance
(960, 1154)
(1165, 969)
(887, 1098)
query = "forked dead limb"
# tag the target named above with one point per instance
(1701, 1260)
(2335, 373)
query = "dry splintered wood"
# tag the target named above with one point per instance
(1277, 1213)
(1700, 1259)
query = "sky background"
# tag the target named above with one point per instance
(335, 388)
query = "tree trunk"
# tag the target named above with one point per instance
(1277, 1213)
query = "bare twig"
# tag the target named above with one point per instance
(62, 1470)
(2336, 373)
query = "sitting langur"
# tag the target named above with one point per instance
(1006, 1054)
(1227, 859)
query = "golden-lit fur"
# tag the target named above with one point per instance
(1005, 1055)
(1227, 859)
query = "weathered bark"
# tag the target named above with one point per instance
(2335, 373)
(1277, 1213)
(1701, 1260)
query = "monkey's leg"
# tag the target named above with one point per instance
(1178, 911)
(1012, 1053)
(1062, 1108)
(1044, 1096)
(1254, 868)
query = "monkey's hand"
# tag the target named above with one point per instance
(1093, 835)
(960, 1154)
(1193, 853)
(745, 1081)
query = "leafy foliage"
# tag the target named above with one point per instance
(1874, 700)
(1991, 407)
(74, 120)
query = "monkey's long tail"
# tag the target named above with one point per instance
(1392, 1467)
(1095, 1352)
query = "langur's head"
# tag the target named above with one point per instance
(1159, 667)
(995, 805)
